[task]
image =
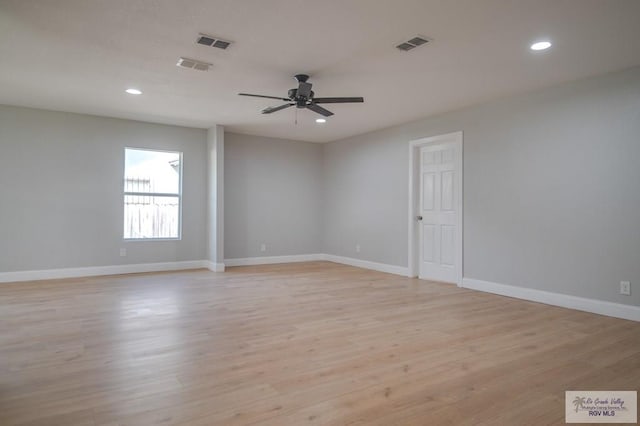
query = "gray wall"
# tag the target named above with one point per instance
(273, 191)
(551, 189)
(61, 201)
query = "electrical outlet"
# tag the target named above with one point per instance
(263, 247)
(625, 288)
(123, 252)
(357, 248)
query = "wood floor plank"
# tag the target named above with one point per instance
(294, 344)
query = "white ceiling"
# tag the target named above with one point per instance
(80, 55)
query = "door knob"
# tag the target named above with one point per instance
(418, 218)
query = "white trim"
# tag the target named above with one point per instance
(414, 155)
(151, 194)
(50, 274)
(214, 267)
(381, 267)
(268, 260)
(601, 307)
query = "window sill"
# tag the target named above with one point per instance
(150, 239)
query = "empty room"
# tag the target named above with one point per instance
(289, 212)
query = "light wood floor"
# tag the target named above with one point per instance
(312, 343)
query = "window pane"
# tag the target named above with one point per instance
(148, 216)
(151, 171)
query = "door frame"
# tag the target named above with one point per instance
(414, 198)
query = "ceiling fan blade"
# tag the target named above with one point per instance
(263, 96)
(274, 109)
(337, 100)
(304, 89)
(319, 110)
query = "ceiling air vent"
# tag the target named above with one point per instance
(193, 64)
(207, 40)
(414, 42)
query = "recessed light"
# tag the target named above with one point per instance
(133, 92)
(541, 45)
(321, 120)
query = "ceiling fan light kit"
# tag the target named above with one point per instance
(304, 98)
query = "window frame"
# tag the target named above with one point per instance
(153, 194)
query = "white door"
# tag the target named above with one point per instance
(438, 212)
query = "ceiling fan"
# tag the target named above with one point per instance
(303, 97)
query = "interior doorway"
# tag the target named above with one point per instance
(435, 208)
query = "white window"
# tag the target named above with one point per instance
(152, 194)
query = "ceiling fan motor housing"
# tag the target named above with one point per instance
(301, 101)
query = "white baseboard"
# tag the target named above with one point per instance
(214, 267)
(268, 260)
(91, 271)
(601, 307)
(49, 274)
(381, 267)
